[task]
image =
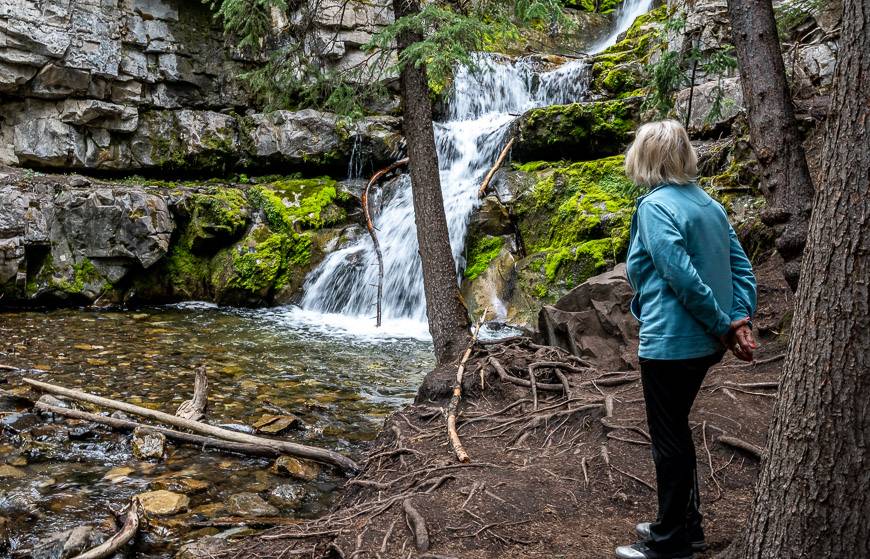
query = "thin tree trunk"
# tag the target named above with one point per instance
(773, 131)
(813, 494)
(448, 317)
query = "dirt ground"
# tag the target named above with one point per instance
(566, 478)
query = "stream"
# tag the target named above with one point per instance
(340, 383)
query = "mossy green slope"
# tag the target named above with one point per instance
(574, 219)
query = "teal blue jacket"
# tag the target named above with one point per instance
(690, 275)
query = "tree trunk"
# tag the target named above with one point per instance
(448, 317)
(813, 495)
(773, 132)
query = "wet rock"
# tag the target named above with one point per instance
(70, 543)
(566, 131)
(148, 444)
(593, 321)
(50, 400)
(186, 485)
(118, 474)
(274, 424)
(163, 503)
(204, 548)
(295, 467)
(249, 504)
(7, 471)
(18, 422)
(287, 496)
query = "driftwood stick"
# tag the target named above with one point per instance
(126, 533)
(283, 447)
(370, 226)
(488, 178)
(734, 442)
(190, 438)
(417, 525)
(453, 406)
(194, 409)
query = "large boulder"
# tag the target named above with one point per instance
(578, 131)
(593, 321)
(715, 105)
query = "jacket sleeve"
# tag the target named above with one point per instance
(667, 247)
(742, 280)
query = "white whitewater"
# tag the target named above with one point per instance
(483, 104)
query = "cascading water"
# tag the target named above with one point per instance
(482, 106)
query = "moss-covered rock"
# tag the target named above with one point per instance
(578, 131)
(577, 216)
(593, 6)
(621, 70)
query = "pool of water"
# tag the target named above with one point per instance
(340, 377)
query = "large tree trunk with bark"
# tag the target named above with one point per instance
(448, 317)
(773, 131)
(813, 495)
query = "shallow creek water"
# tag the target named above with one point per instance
(340, 383)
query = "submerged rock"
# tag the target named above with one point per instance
(287, 496)
(70, 543)
(163, 503)
(7, 471)
(295, 467)
(148, 444)
(249, 504)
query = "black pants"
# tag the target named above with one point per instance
(670, 388)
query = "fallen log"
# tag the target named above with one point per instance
(284, 447)
(194, 408)
(126, 533)
(180, 436)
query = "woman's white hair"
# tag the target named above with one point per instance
(661, 154)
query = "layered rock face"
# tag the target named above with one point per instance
(69, 241)
(128, 85)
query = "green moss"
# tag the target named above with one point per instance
(83, 272)
(593, 6)
(481, 252)
(620, 69)
(578, 215)
(576, 131)
(297, 203)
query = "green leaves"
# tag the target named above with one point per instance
(248, 20)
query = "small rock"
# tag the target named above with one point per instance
(79, 182)
(287, 496)
(186, 485)
(17, 460)
(274, 424)
(294, 467)
(148, 444)
(119, 474)
(163, 503)
(203, 548)
(7, 471)
(50, 400)
(69, 543)
(249, 504)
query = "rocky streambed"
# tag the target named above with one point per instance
(60, 480)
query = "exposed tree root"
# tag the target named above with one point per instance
(194, 409)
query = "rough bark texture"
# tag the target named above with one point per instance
(813, 495)
(785, 176)
(448, 317)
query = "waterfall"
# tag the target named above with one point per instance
(484, 101)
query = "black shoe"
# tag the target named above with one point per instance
(697, 543)
(641, 551)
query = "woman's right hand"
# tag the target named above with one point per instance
(739, 339)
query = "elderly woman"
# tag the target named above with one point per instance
(694, 296)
